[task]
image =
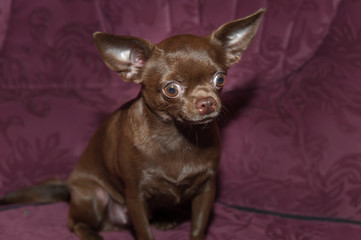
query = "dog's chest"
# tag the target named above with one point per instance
(174, 182)
(176, 165)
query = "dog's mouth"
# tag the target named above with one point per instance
(198, 120)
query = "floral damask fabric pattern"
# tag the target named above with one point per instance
(291, 125)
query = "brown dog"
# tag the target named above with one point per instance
(162, 149)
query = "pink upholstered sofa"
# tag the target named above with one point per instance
(291, 165)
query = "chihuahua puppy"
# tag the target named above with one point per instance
(160, 150)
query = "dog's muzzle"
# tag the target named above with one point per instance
(206, 106)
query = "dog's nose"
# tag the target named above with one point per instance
(206, 105)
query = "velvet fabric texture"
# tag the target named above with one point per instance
(291, 163)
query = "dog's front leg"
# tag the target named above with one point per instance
(138, 215)
(201, 209)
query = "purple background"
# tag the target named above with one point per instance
(291, 132)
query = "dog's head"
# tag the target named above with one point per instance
(182, 76)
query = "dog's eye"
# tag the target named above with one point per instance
(171, 90)
(219, 80)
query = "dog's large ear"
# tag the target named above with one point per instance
(236, 36)
(124, 54)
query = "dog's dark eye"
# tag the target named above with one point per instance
(171, 90)
(219, 80)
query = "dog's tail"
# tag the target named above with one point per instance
(49, 191)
